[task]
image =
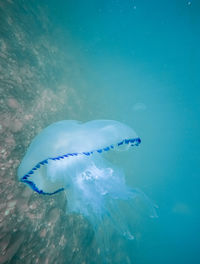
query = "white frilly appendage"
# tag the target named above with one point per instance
(97, 190)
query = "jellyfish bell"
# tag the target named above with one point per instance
(69, 155)
(63, 145)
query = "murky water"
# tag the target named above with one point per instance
(132, 61)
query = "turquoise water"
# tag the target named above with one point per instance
(132, 61)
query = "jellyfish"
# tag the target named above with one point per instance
(70, 156)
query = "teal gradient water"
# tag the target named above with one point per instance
(140, 63)
(137, 62)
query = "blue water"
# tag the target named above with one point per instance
(136, 62)
(140, 65)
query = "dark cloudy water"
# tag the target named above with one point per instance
(132, 61)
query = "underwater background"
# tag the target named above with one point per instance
(133, 61)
